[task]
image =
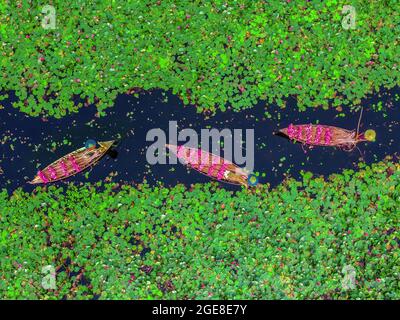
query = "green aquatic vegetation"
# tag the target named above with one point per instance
(213, 54)
(112, 241)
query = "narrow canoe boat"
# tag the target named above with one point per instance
(211, 165)
(73, 163)
(322, 135)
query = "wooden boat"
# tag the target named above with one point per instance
(73, 163)
(330, 136)
(211, 165)
(322, 135)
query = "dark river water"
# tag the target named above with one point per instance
(29, 143)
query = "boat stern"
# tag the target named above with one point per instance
(283, 131)
(35, 180)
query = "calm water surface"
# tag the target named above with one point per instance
(28, 143)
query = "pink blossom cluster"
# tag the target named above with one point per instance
(309, 134)
(299, 135)
(318, 135)
(43, 177)
(295, 132)
(64, 167)
(328, 136)
(197, 159)
(221, 171)
(200, 161)
(53, 173)
(74, 164)
(291, 131)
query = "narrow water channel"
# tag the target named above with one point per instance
(30, 143)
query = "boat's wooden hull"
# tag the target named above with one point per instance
(320, 135)
(71, 164)
(211, 165)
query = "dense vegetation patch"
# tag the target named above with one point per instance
(211, 53)
(205, 242)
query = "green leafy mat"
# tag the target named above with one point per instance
(296, 241)
(211, 53)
